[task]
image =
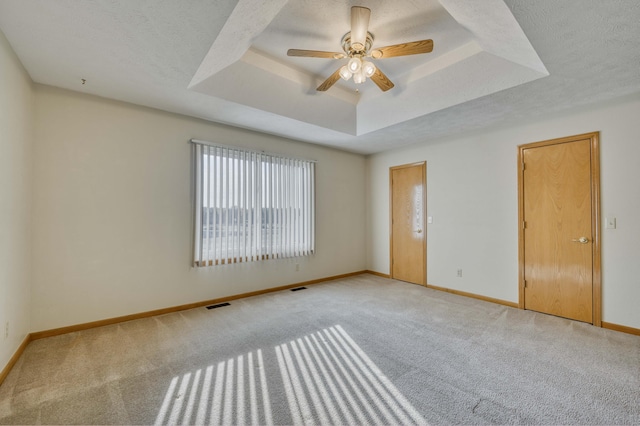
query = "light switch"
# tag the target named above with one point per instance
(610, 222)
(429, 219)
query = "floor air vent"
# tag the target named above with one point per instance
(298, 288)
(219, 305)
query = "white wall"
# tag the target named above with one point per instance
(472, 196)
(16, 140)
(113, 212)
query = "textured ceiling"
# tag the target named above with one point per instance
(225, 61)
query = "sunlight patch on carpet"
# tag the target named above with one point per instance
(329, 379)
(326, 378)
(202, 398)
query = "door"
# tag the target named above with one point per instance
(408, 236)
(559, 199)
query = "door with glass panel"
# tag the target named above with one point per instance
(408, 237)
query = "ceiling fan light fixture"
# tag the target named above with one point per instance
(345, 73)
(354, 64)
(368, 69)
(357, 45)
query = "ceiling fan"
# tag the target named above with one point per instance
(357, 46)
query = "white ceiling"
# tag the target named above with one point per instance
(494, 61)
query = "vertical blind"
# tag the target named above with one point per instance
(251, 205)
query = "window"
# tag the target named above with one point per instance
(251, 205)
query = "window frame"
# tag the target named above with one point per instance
(259, 205)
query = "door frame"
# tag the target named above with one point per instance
(593, 138)
(423, 164)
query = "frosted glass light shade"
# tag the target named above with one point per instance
(359, 77)
(368, 69)
(354, 65)
(345, 73)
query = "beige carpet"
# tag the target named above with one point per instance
(364, 350)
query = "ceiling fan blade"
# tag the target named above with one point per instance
(403, 49)
(329, 82)
(315, 54)
(381, 80)
(359, 26)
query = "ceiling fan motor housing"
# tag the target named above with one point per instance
(351, 50)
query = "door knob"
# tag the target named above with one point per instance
(419, 231)
(581, 240)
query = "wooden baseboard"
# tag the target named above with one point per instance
(607, 325)
(109, 321)
(5, 372)
(474, 296)
(622, 328)
(379, 274)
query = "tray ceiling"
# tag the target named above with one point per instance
(225, 61)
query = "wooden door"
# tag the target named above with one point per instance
(559, 213)
(408, 232)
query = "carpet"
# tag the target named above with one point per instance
(362, 350)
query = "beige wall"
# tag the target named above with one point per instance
(113, 212)
(472, 197)
(16, 124)
(96, 208)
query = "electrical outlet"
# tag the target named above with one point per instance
(459, 273)
(6, 330)
(297, 267)
(610, 222)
